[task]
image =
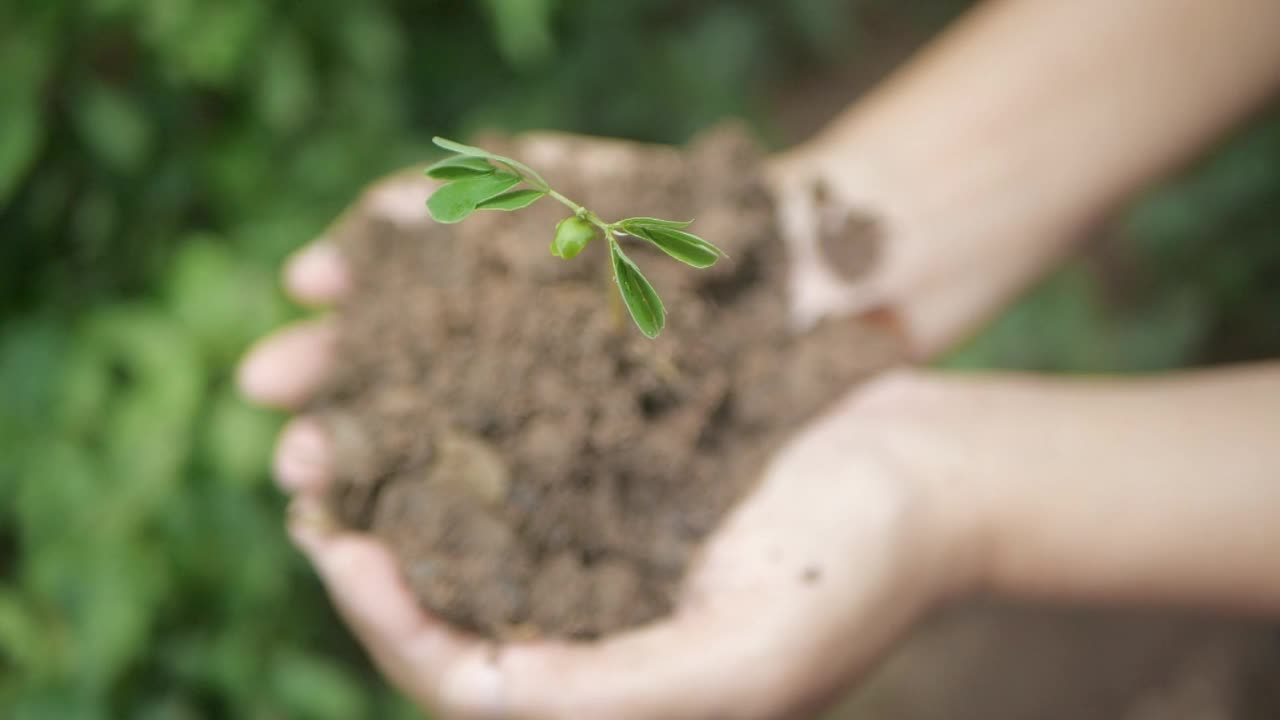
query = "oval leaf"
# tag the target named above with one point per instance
(461, 149)
(572, 235)
(473, 151)
(514, 200)
(641, 299)
(685, 247)
(455, 201)
(456, 168)
(677, 224)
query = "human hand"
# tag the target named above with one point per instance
(942, 262)
(804, 585)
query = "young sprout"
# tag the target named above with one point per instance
(476, 179)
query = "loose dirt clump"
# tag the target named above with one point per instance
(537, 465)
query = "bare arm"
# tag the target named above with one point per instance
(1026, 121)
(1153, 490)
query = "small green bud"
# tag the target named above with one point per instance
(572, 235)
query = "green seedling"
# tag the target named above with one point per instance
(476, 179)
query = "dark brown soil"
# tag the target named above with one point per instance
(538, 466)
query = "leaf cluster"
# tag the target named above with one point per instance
(476, 179)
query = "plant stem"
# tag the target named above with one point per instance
(580, 211)
(575, 207)
(615, 293)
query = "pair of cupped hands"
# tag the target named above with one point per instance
(854, 496)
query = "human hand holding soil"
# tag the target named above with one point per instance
(805, 583)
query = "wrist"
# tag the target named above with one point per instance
(911, 418)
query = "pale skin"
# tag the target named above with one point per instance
(988, 155)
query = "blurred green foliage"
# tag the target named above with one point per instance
(158, 158)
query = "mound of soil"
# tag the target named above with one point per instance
(537, 465)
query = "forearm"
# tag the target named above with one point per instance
(1030, 119)
(1161, 490)
(1057, 110)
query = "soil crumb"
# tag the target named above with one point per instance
(538, 466)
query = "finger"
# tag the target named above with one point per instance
(686, 667)
(692, 666)
(360, 573)
(304, 461)
(286, 368)
(435, 665)
(399, 199)
(317, 275)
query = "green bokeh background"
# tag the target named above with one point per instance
(158, 158)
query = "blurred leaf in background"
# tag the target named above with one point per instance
(158, 159)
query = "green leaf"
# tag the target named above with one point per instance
(457, 147)
(455, 201)
(472, 151)
(285, 88)
(641, 299)
(572, 235)
(19, 145)
(456, 168)
(514, 200)
(677, 224)
(523, 29)
(685, 247)
(318, 688)
(114, 126)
